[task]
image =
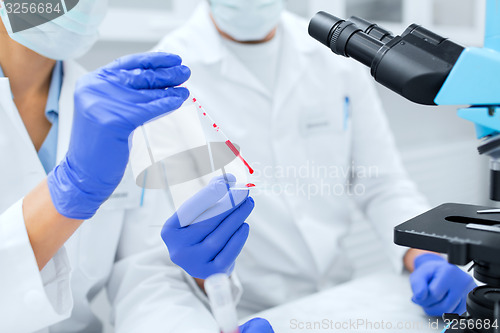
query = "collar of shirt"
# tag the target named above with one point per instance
(48, 151)
(52, 106)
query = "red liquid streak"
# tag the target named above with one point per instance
(237, 153)
(250, 185)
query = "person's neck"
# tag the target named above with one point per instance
(266, 39)
(29, 73)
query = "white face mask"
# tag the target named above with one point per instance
(247, 20)
(66, 37)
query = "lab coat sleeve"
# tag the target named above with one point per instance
(148, 293)
(30, 300)
(388, 196)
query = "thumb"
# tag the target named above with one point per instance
(170, 100)
(420, 280)
(257, 325)
(199, 203)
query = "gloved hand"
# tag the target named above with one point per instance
(438, 286)
(256, 325)
(110, 104)
(216, 230)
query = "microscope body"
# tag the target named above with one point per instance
(475, 80)
(431, 70)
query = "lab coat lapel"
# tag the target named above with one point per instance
(294, 61)
(72, 71)
(10, 110)
(20, 167)
(233, 69)
(211, 50)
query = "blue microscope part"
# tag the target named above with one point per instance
(485, 123)
(475, 78)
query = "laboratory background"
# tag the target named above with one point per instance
(438, 148)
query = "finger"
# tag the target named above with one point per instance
(229, 203)
(173, 100)
(233, 247)
(154, 78)
(218, 239)
(447, 305)
(229, 178)
(256, 325)
(149, 95)
(419, 280)
(145, 98)
(461, 307)
(145, 60)
(179, 225)
(454, 300)
(202, 227)
(200, 202)
(460, 286)
(441, 282)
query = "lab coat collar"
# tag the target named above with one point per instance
(208, 50)
(205, 34)
(233, 69)
(8, 106)
(212, 50)
(21, 168)
(296, 28)
(295, 56)
(72, 72)
(52, 107)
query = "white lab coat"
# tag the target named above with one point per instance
(120, 248)
(295, 243)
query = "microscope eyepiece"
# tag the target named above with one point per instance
(344, 38)
(415, 65)
(321, 27)
(372, 29)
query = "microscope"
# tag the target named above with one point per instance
(429, 69)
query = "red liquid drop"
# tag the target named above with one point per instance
(250, 185)
(215, 125)
(194, 100)
(204, 114)
(237, 153)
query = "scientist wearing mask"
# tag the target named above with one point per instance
(292, 106)
(64, 138)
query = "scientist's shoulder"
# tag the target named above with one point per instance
(192, 39)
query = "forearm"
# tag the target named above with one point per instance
(409, 258)
(47, 229)
(200, 283)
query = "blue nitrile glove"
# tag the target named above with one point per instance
(110, 104)
(256, 325)
(438, 286)
(216, 230)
